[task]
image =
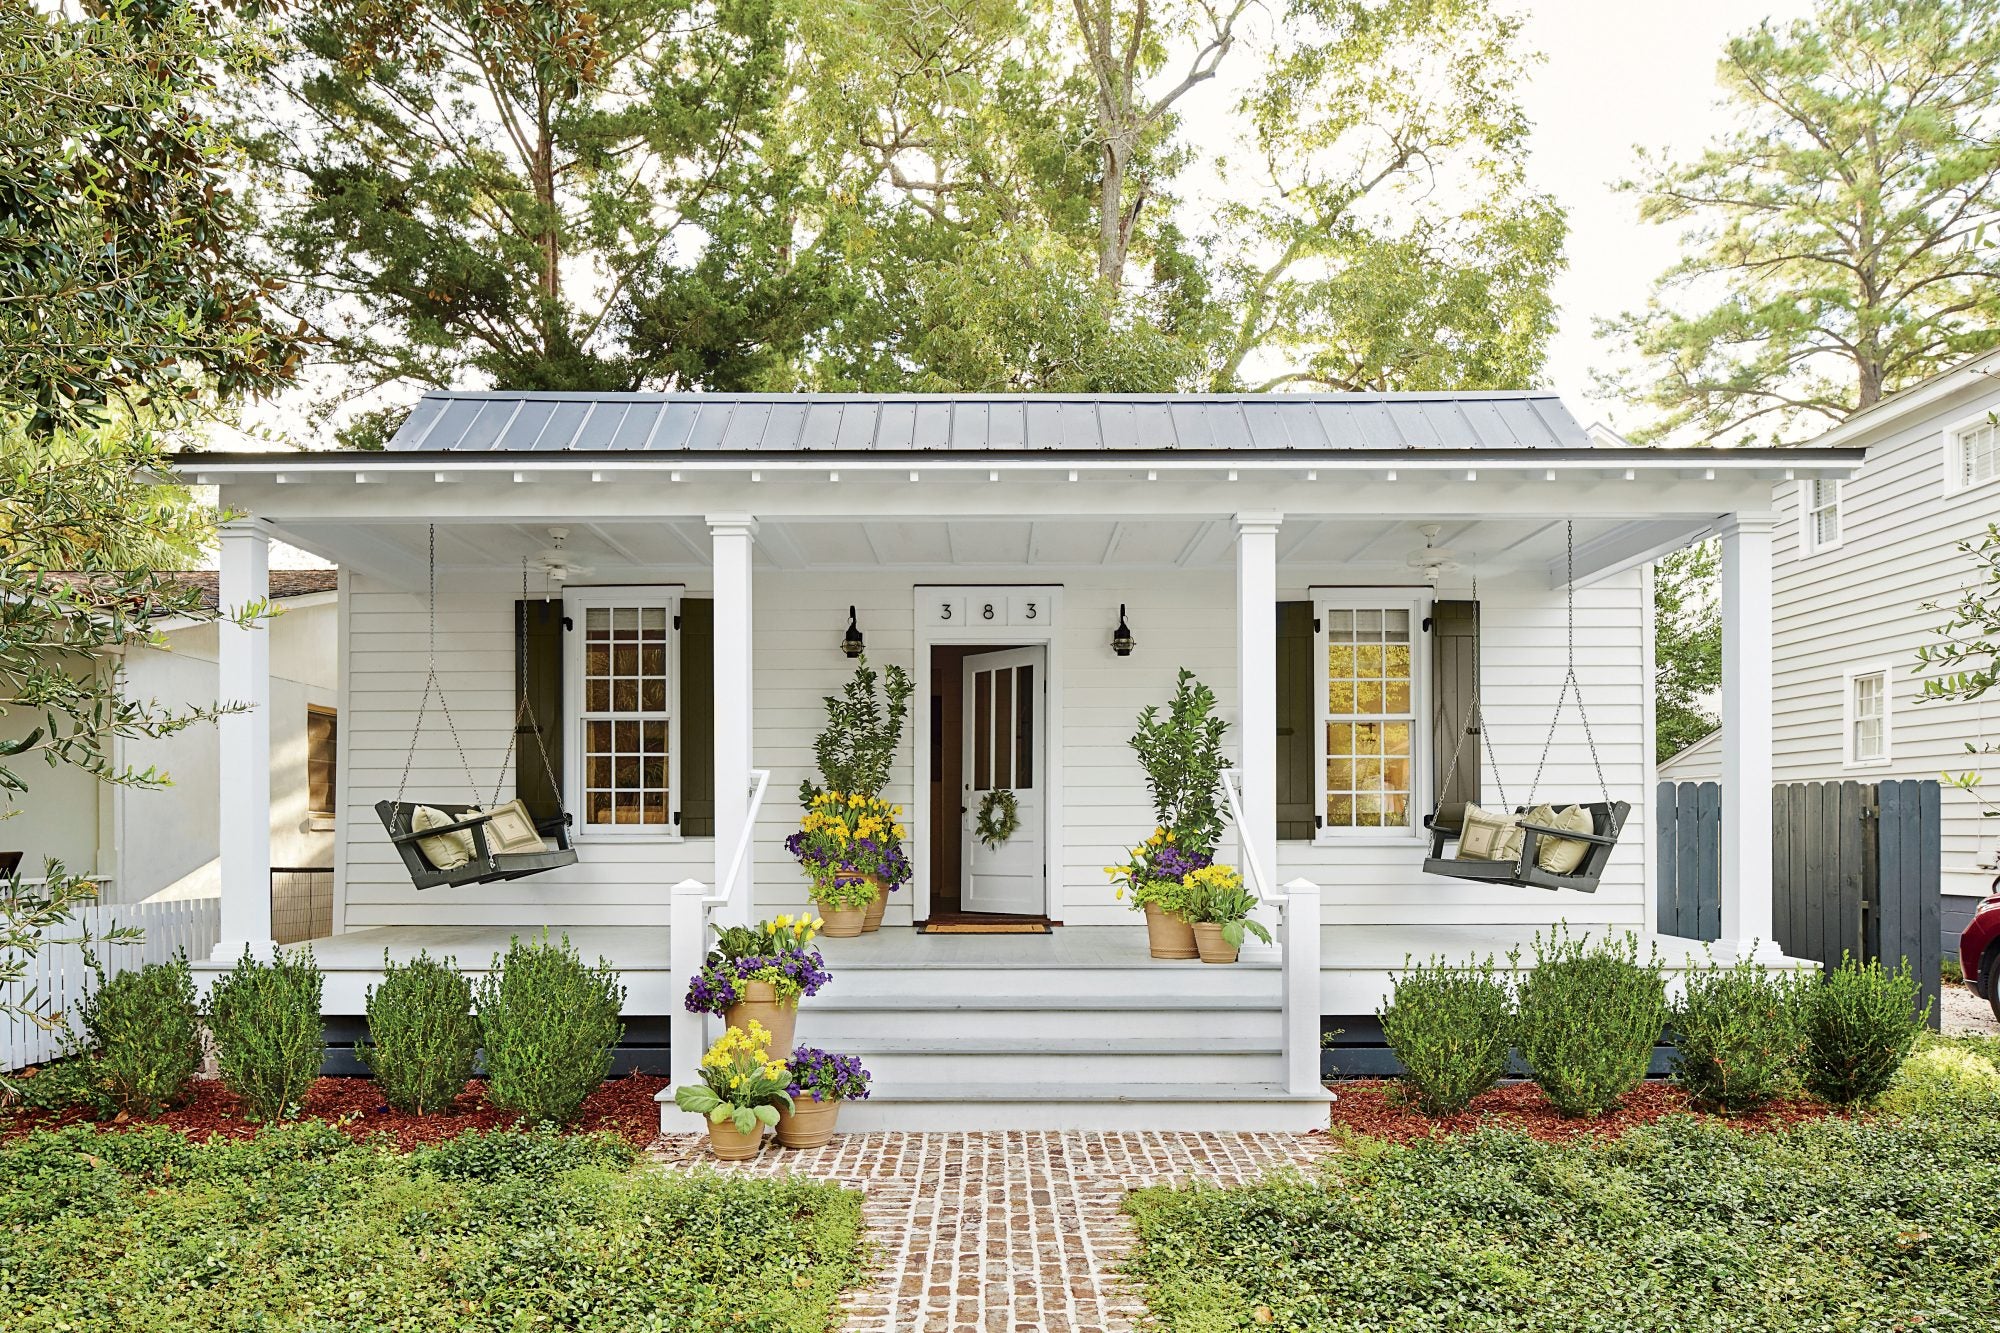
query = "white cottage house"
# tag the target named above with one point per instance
(991, 546)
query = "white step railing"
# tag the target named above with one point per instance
(1299, 947)
(690, 907)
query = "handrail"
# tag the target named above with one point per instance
(760, 783)
(1253, 868)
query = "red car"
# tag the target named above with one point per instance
(1979, 950)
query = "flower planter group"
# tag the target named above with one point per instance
(846, 923)
(1168, 936)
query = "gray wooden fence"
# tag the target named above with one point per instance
(1854, 869)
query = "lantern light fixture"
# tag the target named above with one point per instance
(1122, 642)
(850, 642)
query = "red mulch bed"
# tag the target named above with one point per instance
(1378, 1108)
(622, 1106)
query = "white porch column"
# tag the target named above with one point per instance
(1257, 696)
(244, 743)
(733, 537)
(1746, 738)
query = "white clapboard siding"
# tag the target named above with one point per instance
(59, 977)
(1186, 619)
(1861, 604)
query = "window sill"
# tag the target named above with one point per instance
(1379, 838)
(321, 823)
(1884, 762)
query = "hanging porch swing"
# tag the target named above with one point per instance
(446, 844)
(1538, 846)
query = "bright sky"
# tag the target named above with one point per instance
(1619, 74)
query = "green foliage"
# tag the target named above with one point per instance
(1451, 1026)
(864, 725)
(265, 1018)
(1687, 648)
(1685, 1225)
(1215, 896)
(1966, 653)
(1953, 1079)
(1589, 1015)
(421, 1034)
(1833, 235)
(547, 1023)
(76, 1083)
(146, 1030)
(1182, 756)
(1860, 1024)
(300, 1227)
(1736, 1036)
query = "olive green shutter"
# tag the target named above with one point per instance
(1298, 693)
(696, 798)
(538, 669)
(1455, 687)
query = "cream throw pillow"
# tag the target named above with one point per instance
(446, 851)
(1489, 835)
(1561, 856)
(512, 829)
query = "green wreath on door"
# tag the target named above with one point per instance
(999, 817)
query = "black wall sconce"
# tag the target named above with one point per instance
(1122, 642)
(850, 642)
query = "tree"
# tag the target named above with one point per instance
(1838, 238)
(1687, 648)
(1965, 658)
(125, 307)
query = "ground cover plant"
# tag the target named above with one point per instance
(300, 1227)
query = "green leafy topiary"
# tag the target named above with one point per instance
(1450, 1026)
(1736, 1036)
(1860, 1023)
(1588, 1017)
(863, 728)
(422, 1037)
(1182, 756)
(146, 1028)
(548, 1024)
(266, 1023)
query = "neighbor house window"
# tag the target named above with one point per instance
(1822, 515)
(1972, 455)
(1868, 716)
(623, 691)
(1369, 763)
(322, 739)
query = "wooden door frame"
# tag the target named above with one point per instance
(930, 632)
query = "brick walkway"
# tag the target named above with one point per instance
(1006, 1232)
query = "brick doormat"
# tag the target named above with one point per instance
(1006, 1232)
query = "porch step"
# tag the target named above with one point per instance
(1100, 984)
(1068, 1061)
(945, 1024)
(965, 1106)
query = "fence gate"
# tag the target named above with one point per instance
(1854, 869)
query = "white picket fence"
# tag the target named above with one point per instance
(58, 979)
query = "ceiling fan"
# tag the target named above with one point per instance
(1434, 560)
(557, 564)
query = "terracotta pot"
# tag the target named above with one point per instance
(1167, 935)
(760, 1001)
(809, 1124)
(876, 906)
(842, 923)
(1213, 948)
(731, 1144)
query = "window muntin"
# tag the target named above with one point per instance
(1822, 514)
(623, 692)
(1868, 717)
(1369, 770)
(1978, 454)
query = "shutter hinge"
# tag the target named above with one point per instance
(1427, 624)
(677, 621)
(1315, 624)
(568, 624)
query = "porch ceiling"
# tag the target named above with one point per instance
(610, 549)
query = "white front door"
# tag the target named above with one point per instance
(1005, 726)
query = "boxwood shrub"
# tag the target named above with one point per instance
(422, 1039)
(266, 1022)
(1588, 1015)
(1736, 1036)
(547, 1023)
(146, 1030)
(1450, 1025)
(1860, 1023)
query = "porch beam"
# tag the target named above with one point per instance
(1257, 698)
(243, 657)
(1746, 926)
(732, 537)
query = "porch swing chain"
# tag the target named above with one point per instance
(1476, 721)
(434, 686)
(1570, 683)
(525, 709)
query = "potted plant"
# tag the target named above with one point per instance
(854, 752)
(741, 1092)
(1151, 879)
(821, 1081)
(1219, 908)
(758, 974)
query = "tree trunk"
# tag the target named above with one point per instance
(1112, 237)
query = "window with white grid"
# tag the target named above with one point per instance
(1369, 737)
(1975, 454)
(1822, 515)
(1868, 717)
(622, 690)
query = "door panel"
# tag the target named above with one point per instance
(1005, 734)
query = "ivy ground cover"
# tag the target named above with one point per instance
(303, 1228)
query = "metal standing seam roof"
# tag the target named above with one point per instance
(504, 422)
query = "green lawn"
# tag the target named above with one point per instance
(1891, 1223)
(302, 1229)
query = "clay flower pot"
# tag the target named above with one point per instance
(1167, 935)
(842, 923)
(1209, 942)
(876, 906)
(760, 1002)
(809, 1124)
(731, 1144)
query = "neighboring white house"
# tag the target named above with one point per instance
(1856, 562)
(990, 545)
(162, 843)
